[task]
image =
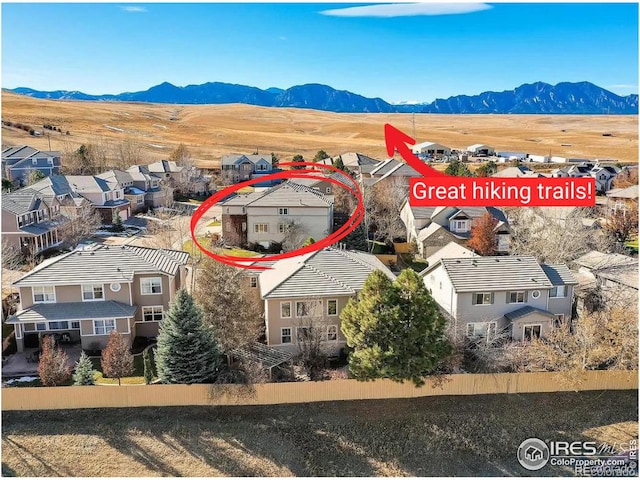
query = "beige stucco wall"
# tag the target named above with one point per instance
(315, 222)
(154, 299)
(274, 322)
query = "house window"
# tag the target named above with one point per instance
(75, 325)
(283, 211)
(58, 325)
(332, 333)
(532, 331)
(327, 190)
(285, 335)
(459, 225)
(481, 329)
(227, 226)
(253, 281)
(152, 314)
(482, 298)
(282, 228)
(491, 330)
(517, 297)
(44, 295)
(261, 228)
(471, 332)
(150, 286)
(103, 327)
(92, 292)
(305, 309)
(41, 326)
(559, 320)
(559, 291)
(332, 307)
(285, 310)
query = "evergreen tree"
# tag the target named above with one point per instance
(117, 361)
(187, 350)
(148, 366)
(459, 169)
(118, 226)
(275, 159)
(298, 158)
(53, 369)
(308, 241)
(396, 329)
(84, 371)
(339, 164)
(321, 155)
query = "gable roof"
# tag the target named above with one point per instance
(234, 159)
(595, 260)
(164, 166)
(559, 274)
(116, 176)
(320, 274)
(450, 250)
(355, 159)
(104, 264)
(628, 192)
(284, 195)
(21, 201)
(478, 274)
(88, 184)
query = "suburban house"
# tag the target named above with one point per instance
(107, 198)
(157, 192)
(310, 291)
(56, 187)
(450, 250)
(430, 149)
(19, 162)
(352, 160)
(622, 198)
(518, 172)
(387, 171)
(484, 296)
(169, 171)
(325, 187)
(605, 279)
(603, 174)
(239, 168)
(268, 217)
(434, 227)
(29, 223)
(481, 150)
(124, 180)
(88, 293)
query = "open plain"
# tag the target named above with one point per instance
(209, 131)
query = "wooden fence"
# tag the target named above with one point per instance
(387, 258)
(52, 398)
(403, 247)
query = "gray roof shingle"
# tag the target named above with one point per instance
(52, 312)
(104, 264)
(524, 311)
(495, 273)
(559, 274)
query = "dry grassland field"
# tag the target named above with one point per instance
(210, 131)
(430, 436)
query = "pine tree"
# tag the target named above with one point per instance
(321, 155)
(118, 226)
(396, 329)
(483, 239)
(187, 350)
(339, 163)
(84, 371)
(53, 369)
(148, 367)
(117, 361)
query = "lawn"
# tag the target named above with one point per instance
(215, 223)
(416, 263)
(633, 245)
(188, 246)
(430, 436)
(136, 378)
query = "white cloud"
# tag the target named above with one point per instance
(407, 9)
(133, 9)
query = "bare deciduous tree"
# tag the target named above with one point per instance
(554, 234)
(622, 223)
(311, 335)
(81, 224)
(382, 203)
(128, 152)
(228, 303)
(295, 235)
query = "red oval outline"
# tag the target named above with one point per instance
(235, 261)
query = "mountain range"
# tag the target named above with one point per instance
(534, 98)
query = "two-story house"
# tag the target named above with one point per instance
(19, 162)
(29, 223)
(434, 227)
(309, 292)
(157, 192)
(107, 198)
(326, 187)
(239, 168)
(267, 217)
(88, 293)
(515, 294)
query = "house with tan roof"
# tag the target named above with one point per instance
(310, 291)
(87, 293)
(19, 162)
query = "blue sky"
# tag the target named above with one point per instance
(112, 48)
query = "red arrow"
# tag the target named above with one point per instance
(397, 140)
